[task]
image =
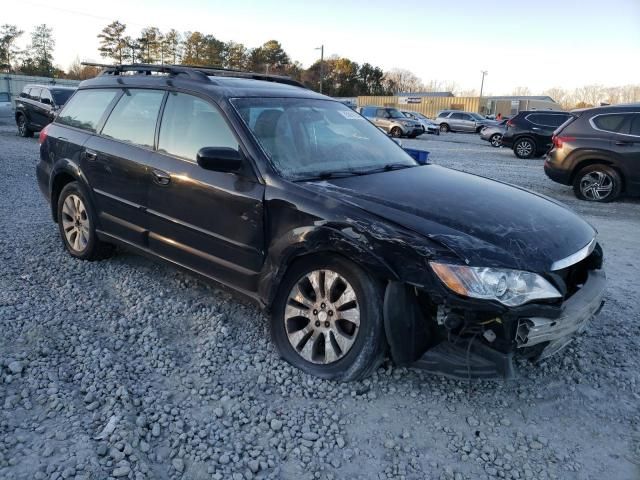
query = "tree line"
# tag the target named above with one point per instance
(342, 77)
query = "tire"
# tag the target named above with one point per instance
(77, 225)
(23, 128)
(396, 132)
(597, 183)
(524, 148)
(361, 345)
(495, 140)
(444, 128)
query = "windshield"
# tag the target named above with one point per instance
(61, 96)
(307, 138)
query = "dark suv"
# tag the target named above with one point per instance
(598, 152)
(301, 204)
(529, 132)
(37, 105)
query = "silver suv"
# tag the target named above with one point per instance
(458, 121)
(392, 121)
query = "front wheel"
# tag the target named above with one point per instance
(524, 148)
(496, 140)
(444, 128)
(597, 183)
(77, 224)
(23, 128)
(396, 132)
(327, 319)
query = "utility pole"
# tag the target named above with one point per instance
(484, 72)
(321, 48)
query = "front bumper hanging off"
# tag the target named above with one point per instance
(474, 358)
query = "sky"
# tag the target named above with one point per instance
(539, 44)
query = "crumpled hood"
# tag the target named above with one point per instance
(486, 223)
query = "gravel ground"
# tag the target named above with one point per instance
(128, 369)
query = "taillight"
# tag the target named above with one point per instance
(43, 135)
(558, 141)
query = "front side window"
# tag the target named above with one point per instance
(45, 97)
(307, 138)
(547, 119)
(635, 125)
(86, 108)
(457, 116)
(134, 117)
(34, 94)
(615, 123)
(189, 124)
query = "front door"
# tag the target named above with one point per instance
(211, 222)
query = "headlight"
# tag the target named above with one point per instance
(509, 287)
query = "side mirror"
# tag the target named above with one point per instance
(46, 101)
(219, 159)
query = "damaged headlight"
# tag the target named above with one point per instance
(509, 287)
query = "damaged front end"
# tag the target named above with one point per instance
(443, 332)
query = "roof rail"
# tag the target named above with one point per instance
(194, 72)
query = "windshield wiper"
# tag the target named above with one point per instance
(387, 168)
(330, 174)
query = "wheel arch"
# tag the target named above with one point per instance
(585, 162)
(63, 174)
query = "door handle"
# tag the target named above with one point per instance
(90, 155)
(160, 177)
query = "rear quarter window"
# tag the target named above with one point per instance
(86, 108)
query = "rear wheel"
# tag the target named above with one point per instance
(444, 128)
(77, 224)
(327, 319)
(495, 140)
(597, 183)
(23, 128)
(396, 132)
(524, 148)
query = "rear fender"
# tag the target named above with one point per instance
(63, 172)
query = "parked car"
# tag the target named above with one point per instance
(598, 152)
(427, 125)
(6, 109)
(493, 134)
(529, 132)
(458, 121)
(392, 121)
(297, 202)
(37, 105)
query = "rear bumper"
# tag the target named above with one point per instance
(557, 175)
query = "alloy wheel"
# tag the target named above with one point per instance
(322, 317)
(75, 223)
(496, 140)
(524, 148)
(596, 185)
(22, 126)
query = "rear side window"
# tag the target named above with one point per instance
(61, 96)
(547, 119)
(134, 117)
(86, 108)
(189, 124)
(635, 125)
(615, 123)
(457, 116)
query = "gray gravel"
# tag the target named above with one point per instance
(128, 369)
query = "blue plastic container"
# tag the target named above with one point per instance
(420, 156)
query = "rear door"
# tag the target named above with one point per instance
(455, 121)
(211, 222)
(31, 108)
(632, 155)
(381, 119)
(44, 107)
(117, 161)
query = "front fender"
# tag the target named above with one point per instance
(339, 239)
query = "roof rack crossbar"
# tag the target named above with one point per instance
(195, 72)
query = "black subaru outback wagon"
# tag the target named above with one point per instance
(298, 202)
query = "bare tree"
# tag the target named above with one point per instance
(521, 92)
(589, 95)
(399, 80)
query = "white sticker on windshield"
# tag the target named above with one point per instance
(350, 114)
